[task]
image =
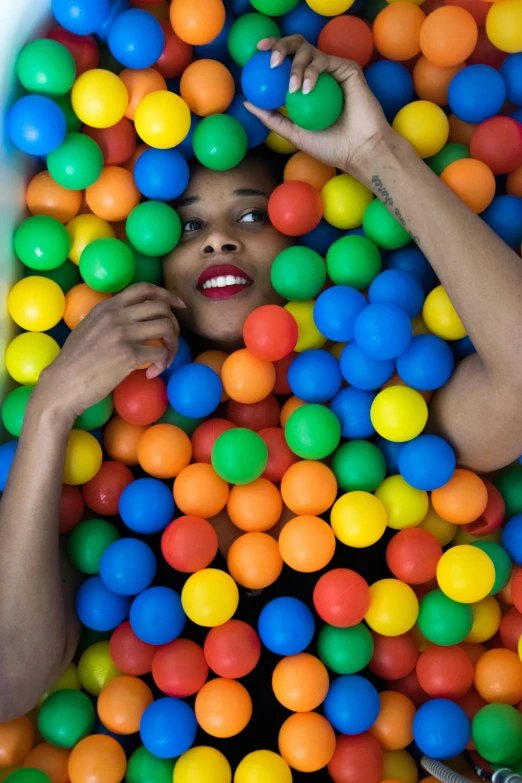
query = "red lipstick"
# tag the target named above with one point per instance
(223, 281)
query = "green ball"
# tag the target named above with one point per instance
(312, 432)
(153, 228)
(46, 67)
(88, 541)
(245, 34)
(13, 409)
(345, 650)
(382, 228)
(509, 484)
(496, 731)
(239, 456)
(72, 121)
(27, 775)
(183, 422)
(95, 416)
(318, 109)
(353, 261)
(88, 637)
(448, 154)
(274, 7)
(76, 163)
(42, 242)
(359, 465)
(65, 718)
(501, 561)
(143, 767)
(298, 273)
(371, 8)
(219, 142)
(67, 275)
(107, 265)
(443, 621)
(148, 269)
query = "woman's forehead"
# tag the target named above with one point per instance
(250, 175)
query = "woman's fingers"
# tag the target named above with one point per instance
(149, 310)
(141, 292)
(275, 121)
(165, 329)
(302, 61)
(156, 356)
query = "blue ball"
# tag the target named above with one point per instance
(391, 452)
(362, 372)
(168, 727)
(392, 85)
(36, 125)
(504, 216)
(336, 311)
(7, 455)
(511, 72)
(146, 505)
(185, 146)
(427, 462)
(476, 93)
(236, 71)
(410, 259)
(98, 434)
(239, 7)
(116, 8)
(286, 626)
(194, 390)
(263, 86)
(128, 566)
(98, 607)
(517, 115)
(427, 363)
(383, 331)
(82, 17)
(441, 729)
(218, 48)
(352, 408)
(320, 238)
(255, 130)
(462, 348)
(183, 356)
(127, 741)
(512, 538)
(302, 19)
(352, 704)
(136, 39)
(157, 616)
(315, 376)
(161, 175)
(400, 288)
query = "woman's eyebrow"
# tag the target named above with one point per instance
(249, 192)
(185, 202)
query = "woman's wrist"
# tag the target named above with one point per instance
(380, 154)
(46, 406)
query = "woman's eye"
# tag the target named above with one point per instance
(191, 225)
(254, 216)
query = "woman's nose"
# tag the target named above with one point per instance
(220, 240)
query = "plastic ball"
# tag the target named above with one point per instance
(391, 83)
(263, 86)
(189, 544)
(441, 729)
(501, 561)
(396, 31)
(41, 243)
(28, 354)
(358, 465)
(394, 657)
(263, 766)
(308, 487)
(207, 87)
(107, 265)
(81, 16)
(255, 130)
(103, 491)
(448, 36)
(139, 400)
(98, 607)
(114, 194)
(82, 47)
(84, 229)
(146, 506)
(16, 740)
(445, 672)
(395, 286)
(199, 490)
(286, 626)
(118, 143)
(341, 597)
(77, 163)
(393, 727)
(357, 759)
(309, 335)
(306, 741)
(46, 67)
(139, 84)
(462, 499)
(87, 543)
(498, 677)
(424, 125)
(344, 201)
(302, 19)
(427, 462)
(36, 304)
(503, 216)
(161, 174)
(13, 410)
(497, 143)
(129, 567)
(345, 650)
(210, 597)
(194, 390)
(220, 142)
(305, 168)
(307, 543)
(136, 39)
(270, 333)
(130, 654)
(162, 119)
(255, 507)
(45, 197)
(318, 109)
(382, 331)
(432, 81)
(337, 310)
(179, 668)
(96, 667)
(353, 261)
(476, 93)
(197, 23)
(204, 764)
(83, 458)
(99, 98)
(399, 413)
(441, 317)
(298, 273)
(245, 33)
(239, 456)
(352, 704)
(393, 607)
(153, 228)
(168, 727)
(246, 378)
(465, 574)
(233, 649)
(358, 519)
(65, 718)
(313, 432)
(285, 214)
(223, 707)
(314, 376)
(254, 560)
(379, 225)
(36, 125)
(156, 615)
(143, 767)
(122, 703)
(427, 363)
(486, 620)
(503, 26)
(347, 37)
(412, 556)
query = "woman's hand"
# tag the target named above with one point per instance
(361, 126)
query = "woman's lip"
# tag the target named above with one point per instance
(222, 270)
(227, 292)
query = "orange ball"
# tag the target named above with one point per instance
(223, 707)
(139, 84)
(498, 677)
(254, 560)
(514, 182)
(303, 167)
(472, 181)
(97, 759)
(396, 31)
(307, 543)
(309, 487)
(432, 81)
(138, 152)
(44, 196)
(306, 742)
(121, 438)
(462, 499)
(448, 35)
(16, 740)
(207, 87)
(300, 682)
(199, 491)
(393, 728)
(460, 132)
(164, 450)
(197, 22)
(291, 405)
(255, 507)
(246, 378)
(114, 194)
(51, 760)
(79, 301)
(154, 341)
(215, 360)
(122, 702)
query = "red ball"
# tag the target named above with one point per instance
(497, 142)
(295, 208)
(72, 507)
(270, 333)
(280, 455)
(130, 654)
(445, 672)
(516, 589)
(357, 759)
(409, 686)
(233, 649)
(256, 415)
(511, 629)
(189, 544)
(471, 703)
(139, 400)
(412, 555)
(281, 385)
(204, 437)
(83, 48)
(176, 54)
(179, 668)
(341, 597)
(394, 657)
(425, 588)
(347, 37)
(494, 513)
(117, 143)
(485, 53)
(102, 493)
(476, 8)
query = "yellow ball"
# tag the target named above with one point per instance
(520, 648)
(36, 303)
(210, 597)
(330, 7)
(162, 119)
(308, 335)
(399, 765)
(344, 201)
(443, 531)
(394, 607)
(204, 765)
(405, 506)
(424, 125)
(96, 669)
(418, 326)
(504, 25)
(263, 766)
(69, 681)
(486, 620)
(28, 354)
(358, 519)
(465, 574)
(277, 143)
(99, 98)
(83, 458)
(399, 413)
(441, 317)
(84, 229)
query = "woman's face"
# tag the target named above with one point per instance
(221, 267)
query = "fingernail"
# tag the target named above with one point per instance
(180, 303)
(293, 84)
(275, 58)
(306, 86)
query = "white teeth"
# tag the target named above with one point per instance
(222, 281)
(230, 280)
